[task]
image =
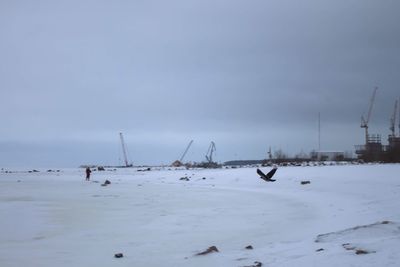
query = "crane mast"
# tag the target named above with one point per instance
(364, 122)
(124, 150)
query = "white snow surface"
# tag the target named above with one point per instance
(156, 219)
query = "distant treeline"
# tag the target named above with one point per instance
(243, 162)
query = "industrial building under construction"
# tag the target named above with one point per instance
(373, 150)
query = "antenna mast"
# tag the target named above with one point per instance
(393, 120)
(319, 132)
(269, 154)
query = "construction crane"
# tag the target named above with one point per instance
(186, 150)
(179, 163)
(124, 150)
(399, 122)
(393, 120)
(364, 122)
(210, 151)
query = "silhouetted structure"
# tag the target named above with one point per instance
(393, 149)
(373, 150)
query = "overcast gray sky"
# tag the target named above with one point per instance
(244, 74)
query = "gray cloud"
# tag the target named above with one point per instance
(247, 75)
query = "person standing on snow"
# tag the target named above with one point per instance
(88, 171)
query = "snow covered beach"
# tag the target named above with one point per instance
(347, 216)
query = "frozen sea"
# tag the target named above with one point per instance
(347, 215)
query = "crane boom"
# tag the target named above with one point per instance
(364, 122)
(124, 150)
(393, 120)
(186, 150)
(210, 152)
